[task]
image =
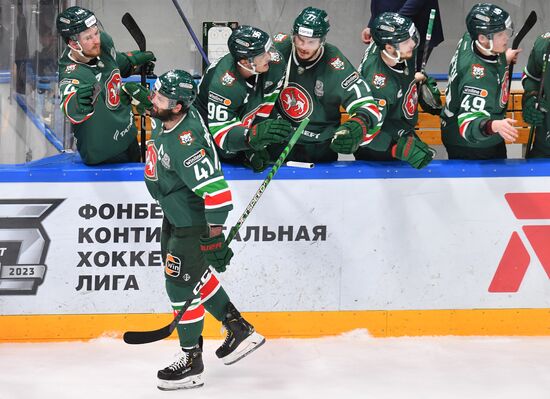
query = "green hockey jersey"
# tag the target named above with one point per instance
(183, 173)
(228, 102)
(396, 93)
(477, 91)
(531, 84)
(318, 90)
(109, 129)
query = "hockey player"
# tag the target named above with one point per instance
(320, 80)
(90, 82)
(237, 94)
(473, 121)
(183, 174)
(532, 79)
(388, 66)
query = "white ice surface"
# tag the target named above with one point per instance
(350, 366)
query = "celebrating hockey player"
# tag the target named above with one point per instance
(536, 85)
(388, 66)
(473, 121)
(237, 94)
(183, 174)
(320, 80)
(92, 94)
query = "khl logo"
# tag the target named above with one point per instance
(23, 244)
(516, 259)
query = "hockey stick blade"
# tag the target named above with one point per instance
(527, 26)
(146, 337)
(130, 23)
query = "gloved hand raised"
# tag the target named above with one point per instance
(268, 132)
(142, 60)
(531, 114)
(84, 98)
(349, 136)
(413, 150)
(137, 95)
(216, 252)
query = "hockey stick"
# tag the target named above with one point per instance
(190, 30)
(428, 40)
(129, 22)
(266, 181)
(545, 60)
(529, 23)
(144, 337)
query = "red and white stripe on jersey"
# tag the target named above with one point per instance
(210, 288)
(193, 314)
(221, 134)
(65, 105)
(218, 199)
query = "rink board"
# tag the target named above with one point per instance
(457, 248)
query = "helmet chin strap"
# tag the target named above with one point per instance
(396, 59)
(486, 51)
(252, 71)
(79, 50)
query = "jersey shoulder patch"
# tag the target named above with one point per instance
(280, 37)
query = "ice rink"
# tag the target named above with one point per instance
(350, 366)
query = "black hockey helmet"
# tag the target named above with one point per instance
(486, 19)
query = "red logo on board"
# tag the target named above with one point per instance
(516, 259)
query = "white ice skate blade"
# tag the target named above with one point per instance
(194, 381)
(249, 345)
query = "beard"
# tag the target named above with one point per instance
(164, 115)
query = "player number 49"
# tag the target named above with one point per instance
(473, 103)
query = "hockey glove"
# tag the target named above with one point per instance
(216, 252)
(413, 150)
(84, 98)
(430, 96)
(531, 114)
(268, 132)
(349, 136)
(142, 60)
(137, 95)
(258, 161)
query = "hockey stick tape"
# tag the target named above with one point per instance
(305, 165)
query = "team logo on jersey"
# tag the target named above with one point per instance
(279, 37)
(478, 71)
(196, 157)
(296, 102)
(228, 79)
(69, 68)
(410, 102)
(173, 265)
(504, 92)
(186, 138)
(275, 57)
(379, 80)
(337, 63)
(112, 86)
(151, 157)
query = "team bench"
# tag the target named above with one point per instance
(428, 127)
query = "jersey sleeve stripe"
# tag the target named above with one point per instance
(66, 109)
(210, 186)
(221, 133)
(464, 120)
(218, 200)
